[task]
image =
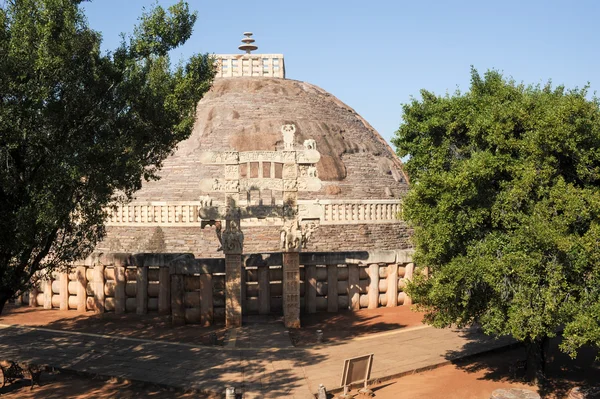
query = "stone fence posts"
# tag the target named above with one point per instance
(194, 290)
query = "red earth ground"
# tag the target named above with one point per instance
(473, 378)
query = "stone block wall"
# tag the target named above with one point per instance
(203, 242)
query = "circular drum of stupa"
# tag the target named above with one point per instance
(361, 179)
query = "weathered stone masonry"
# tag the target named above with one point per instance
(203, 242)
(192, 290)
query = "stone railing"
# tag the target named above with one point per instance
(193, 290)
(359, 211)
(235, 65)
(182, 214)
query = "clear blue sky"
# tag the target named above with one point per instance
(374, 55)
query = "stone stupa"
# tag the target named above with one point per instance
(361, 179)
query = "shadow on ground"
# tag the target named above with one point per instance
(202, 368)
(149, 326)
(59, 385)
(506, 364)
(345, 325)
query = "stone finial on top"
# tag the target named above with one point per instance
(248, 45)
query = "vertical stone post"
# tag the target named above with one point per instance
(392, 285)
(243, 301)
(19, 299)
(408, 275)
(233, 244)
(141, 298)
(120, 287)
(264, 290)
(206, 300)
(33, 296)
(233, 290)
(291, 235)
(353, 288)
(64, 291)
(291, 289)
(310, 293)
(99, 288)
(81, 289)
(48, 292)
(373, 286)
(332, 288)
(164, 291)
(177, 300)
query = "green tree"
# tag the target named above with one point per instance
(505, 204)
(80, 129)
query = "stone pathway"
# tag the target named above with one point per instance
(258, 359)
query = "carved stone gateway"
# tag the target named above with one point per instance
(298, 173)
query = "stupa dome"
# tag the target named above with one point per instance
(361, 178)
(246, 114)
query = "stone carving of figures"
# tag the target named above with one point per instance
(307, 233)
(218, 230)
(288, 157)
(231, 156)
(312, 171)
(217, 185)
(310, 144)
(289, 184)
(232, 185)
(303, 169)
(291, 236)
(282, 239)
(288, 132)
(205, 201)
(233, 238)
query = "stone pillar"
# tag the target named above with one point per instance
(33, 297)
(353, 288)
(243, 300)
(64, 291)
(48, 292)
(233, 290)
(408, 275)
(332, 288)
(264, 290)
(392, 285)
(291, 289)
(141, 298)
(310, 293)
(164, 292)
(177, 300)
(206, 300)
(120, 285)
(81, 289)
(233, 244)
(99, 288)
(374, 286)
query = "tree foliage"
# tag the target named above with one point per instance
(79, 128)
(505, 204)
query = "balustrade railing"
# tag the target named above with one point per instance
(187, 213)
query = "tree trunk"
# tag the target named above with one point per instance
(4, 297)
(536, 360)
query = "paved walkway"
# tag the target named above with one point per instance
(258, 359)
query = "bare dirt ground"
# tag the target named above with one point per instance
(347, 325)
(479, 376)
(473, 378)
(128, 325)
(65, 385)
